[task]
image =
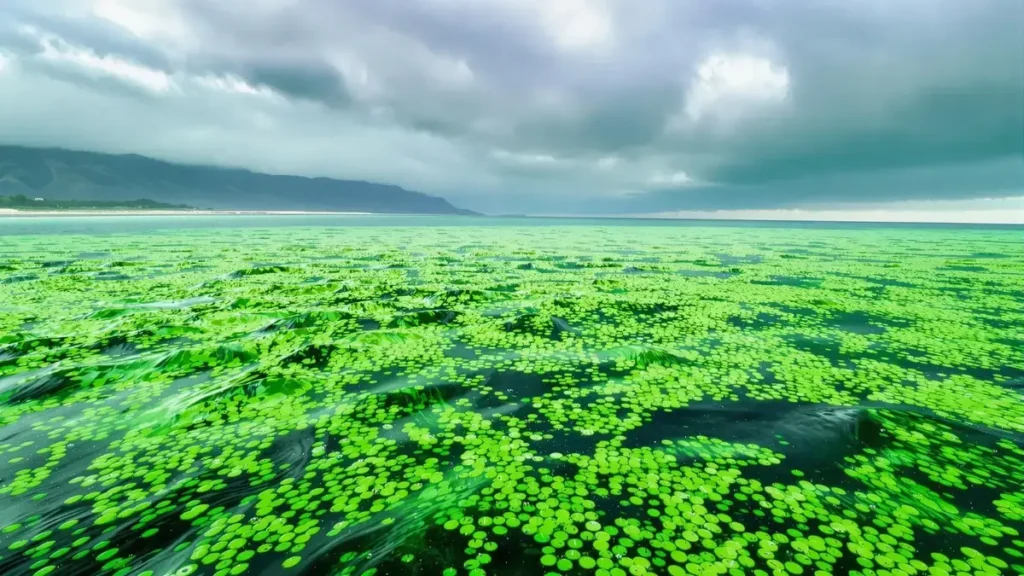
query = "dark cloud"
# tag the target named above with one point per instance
(313, 82)
(539, 106)
(12, 41)
(624, 123)
(990, 179)
(968, 181)
(957, 125)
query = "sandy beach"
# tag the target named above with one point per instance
(11, 213)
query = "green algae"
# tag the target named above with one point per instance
(493, 400)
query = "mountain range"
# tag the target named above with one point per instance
(59, 174)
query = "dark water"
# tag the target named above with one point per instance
(145, 224)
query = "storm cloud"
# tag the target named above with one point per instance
(542, 106)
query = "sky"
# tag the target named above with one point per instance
(872, 109)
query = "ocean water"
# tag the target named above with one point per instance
(146, 224)
(452, 395)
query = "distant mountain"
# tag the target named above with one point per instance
(54, 173)
(22, 202)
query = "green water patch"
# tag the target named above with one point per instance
(322, 320)
(498, 400)
(709, 273)
(259, 271)
(423, 317)
(14, 278)
(540, 325)
(790, 281)
(748, 320)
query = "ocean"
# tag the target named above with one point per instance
(458, 395)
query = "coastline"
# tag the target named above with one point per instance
(10, 213)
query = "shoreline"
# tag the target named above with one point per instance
(7, 213)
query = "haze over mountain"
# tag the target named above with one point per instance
(54, 173)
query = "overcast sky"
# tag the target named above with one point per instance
(547, 106)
